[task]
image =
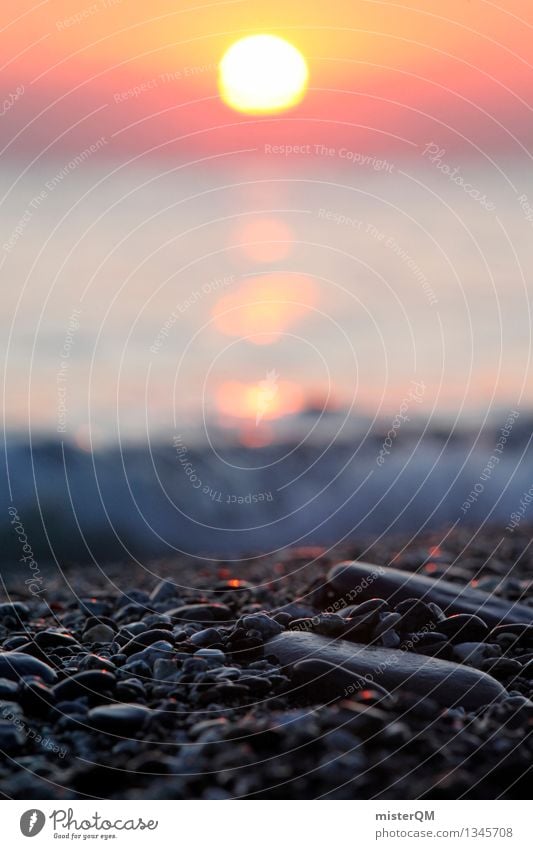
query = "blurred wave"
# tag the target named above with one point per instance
(144, 501)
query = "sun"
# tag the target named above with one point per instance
(262, 74)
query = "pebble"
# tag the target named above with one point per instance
(8, 688)
(318, 681)
(14, 665)
(145, 639)
(415, 614)
(214, 657)
(448, 683)
(99, 634)
(261, 622)
(93, 683)
(206, 637)
(120, 718)
(16, 609)
(397, 586)
(464, 628)
(148, 656)
(200, 613)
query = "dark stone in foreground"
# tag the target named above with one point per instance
(15, 665)
(120, 718)
(447, 683)
(317, 681)
(369, 581)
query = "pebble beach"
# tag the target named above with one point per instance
(401, 669)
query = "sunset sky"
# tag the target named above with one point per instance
(390, 76)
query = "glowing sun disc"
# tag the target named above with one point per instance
(261, 74)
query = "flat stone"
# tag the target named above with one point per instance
(119, 718)
(447, 683)
(149, 655)
(15, 665)
(320, 681)
(397, 586)
(464, 628)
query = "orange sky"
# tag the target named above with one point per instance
(381, 73)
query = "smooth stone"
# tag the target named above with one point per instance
(94, 661)
(200, 613)
(316, 681)
(93, 682)
(15, 665)
(16, 609)
(445, 682)
(145, 639)
(8, 689)
(163, 591)
(54, 639)
(120, 718)
(99, 634)
(14, 643)
(397, 586)
(266, 626)
(157, 620)
(205, 638)
(151, 653)
(464, 627)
